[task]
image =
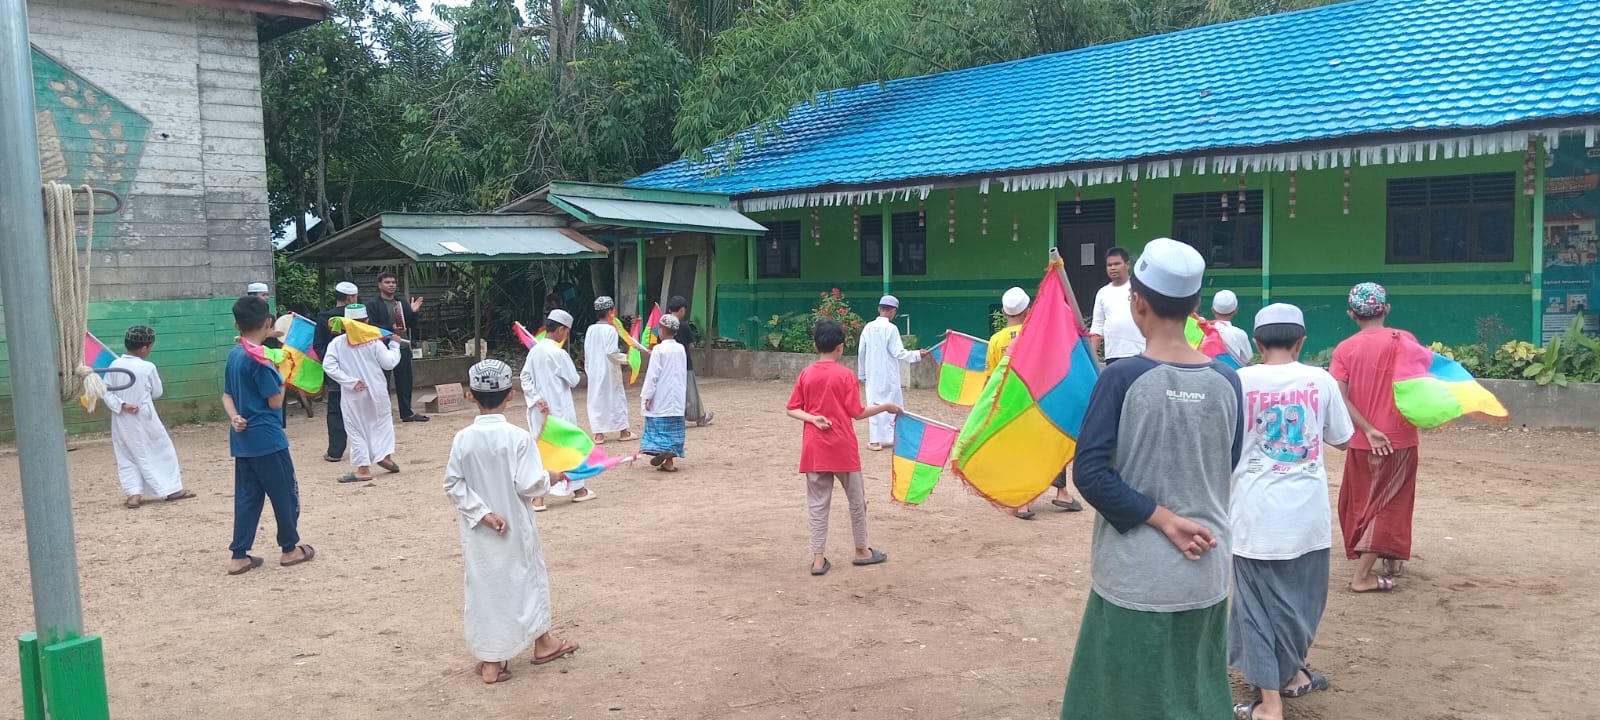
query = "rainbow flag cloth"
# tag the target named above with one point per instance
(1024, 428)
(1431, 389)
(647, 335)
(963, 364)
(567, 448)
(635, 359)
(921, 449)
(95, 353)
(1202, 334)
(523, 336)
(360, 333)
(299, 344)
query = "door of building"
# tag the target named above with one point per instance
(1085, 230)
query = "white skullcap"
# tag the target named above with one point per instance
(888, 301)
(1225, 302)
(1280, 314)
(355, 311)
(604, 303)
(671, 322)
(346, 288)
(560, 316)
(254, 288)
(1014, 302)
(1170, 268)
(489, 376)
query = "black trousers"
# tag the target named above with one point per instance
(402, 382)
(255, 481)
(336, 436)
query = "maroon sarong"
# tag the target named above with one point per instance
(1375, 503)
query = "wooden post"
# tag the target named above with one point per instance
(1072, 298)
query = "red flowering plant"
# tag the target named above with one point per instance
(832, 306)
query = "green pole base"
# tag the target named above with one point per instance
(67, 679)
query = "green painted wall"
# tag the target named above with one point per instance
(1315, 257)
(193, 338)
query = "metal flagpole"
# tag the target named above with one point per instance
(52, 675)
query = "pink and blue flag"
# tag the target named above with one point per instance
(921, 450)
(963, 367)
(95, 353)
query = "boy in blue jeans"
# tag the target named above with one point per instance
(253, 397)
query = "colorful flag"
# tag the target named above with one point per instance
(1203, 335)
(634, 332)
(360, 333)
(566, 448)
(1431, 389)
(1023, 430)
(648, 336)
(921, 449)
(305, 371)
(523, 336)
(963, 366)
(95, 353)
(634, 358)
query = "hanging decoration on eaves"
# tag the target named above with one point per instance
(1323, 159)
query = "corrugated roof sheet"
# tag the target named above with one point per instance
(1360, 68)
(641, 213)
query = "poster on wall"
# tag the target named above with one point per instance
(1571, 204)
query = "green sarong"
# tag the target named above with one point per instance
(1146, 666)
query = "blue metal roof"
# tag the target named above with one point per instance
(1359, 68)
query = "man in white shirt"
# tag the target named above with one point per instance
(1113, 331)
(878, 365)
(1223, 307)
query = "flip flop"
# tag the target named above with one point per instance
(625, 435)
(351, 477)
(500, 677)
(1073, 506)
(390, 466)
(1245, 711)
(568, 647)
(586, 497)
(707, 420)
(1024, 515)
(1317, 681)
(875, 447)
(540, 508)
(661, 458)
(255, 562)
(131, 505)
(826, 566)
(331, 458)
(307, 554)
(600, 440)
(181, 495)
(663, 468)
(1384, 585)
(876, 557)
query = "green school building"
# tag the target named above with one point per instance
(1444, 148)
(158, 103)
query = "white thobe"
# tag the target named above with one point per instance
(1113, 322)
(666, 381)
(549, 375)
(494, 467)
(881, 352)
(367, 417)
(147, 464)
(607, 396)
(1237, 340)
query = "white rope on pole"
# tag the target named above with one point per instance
(70, 282)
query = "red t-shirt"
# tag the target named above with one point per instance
(1365, 361)
(828, 389)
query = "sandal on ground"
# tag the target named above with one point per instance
(586, 497)
(331, 458)
(661, 458)
(1023, 514)
(500, 677)
(876, 557)
(389, 465)
(568, 647)
(1245, 711)
(1384, 585)
(1069, 506)
(600, 439)
(131, 503)
(875, 447)
(540, 508)
(181, 495)
(667, 468)
(1316, 681)
(306, 554)
(255, 562)
(351, 477)
(826, 566)
(707, 420)
(625, 435)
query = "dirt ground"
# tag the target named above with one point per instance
(690, 596)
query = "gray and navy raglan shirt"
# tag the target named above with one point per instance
(1167, 434)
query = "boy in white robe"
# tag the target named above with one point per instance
(878, 365)
(493, 471)
(663, 395)
(147, 464)
(364, 397)
(548, 377)
(605, 364)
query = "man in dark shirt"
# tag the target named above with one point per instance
(344, 294)
(390, 312)
(693, 410)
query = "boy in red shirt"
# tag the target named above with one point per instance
(826, 398)
(1380, 468)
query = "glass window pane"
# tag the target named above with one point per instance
(1222, 244)
(1448, 240)
(1405, 234)
(1494, 232)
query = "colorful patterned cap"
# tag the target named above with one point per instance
(1368, 300)
(604, 303)
(489, 376)
(670, 322)
(139, 336)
